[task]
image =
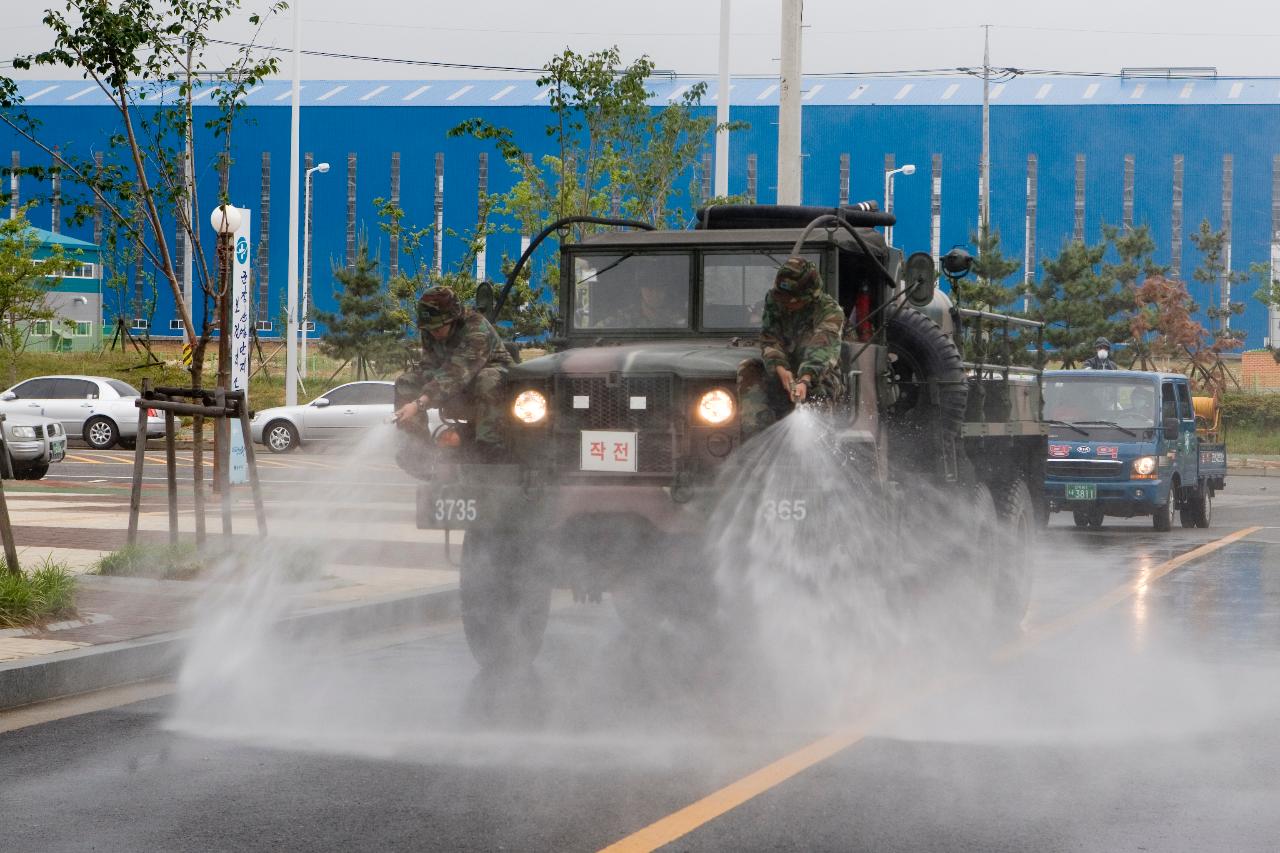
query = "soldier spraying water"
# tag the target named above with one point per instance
(800, 345)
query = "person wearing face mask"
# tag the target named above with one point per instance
(1102, 359)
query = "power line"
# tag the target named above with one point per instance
(387, 59)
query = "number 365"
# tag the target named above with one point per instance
(792, 510)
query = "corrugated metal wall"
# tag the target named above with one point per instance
(842, 143)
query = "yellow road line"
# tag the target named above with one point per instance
(680, 823)
(87, 459)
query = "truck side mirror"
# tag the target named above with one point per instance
(1170, 429)
(920, 278)
(484, 297)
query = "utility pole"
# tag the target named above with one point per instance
(295, 167)
(722, 106)
(984, 168)
(789, 83)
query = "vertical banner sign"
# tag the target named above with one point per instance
(240, 340)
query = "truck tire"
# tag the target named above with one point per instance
(921, 353)
(1199, 511)
(505, 599)
(1016, 535)
(1162, 518)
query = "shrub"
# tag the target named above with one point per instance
(1260, 411)
(36, 596)
(165, 562)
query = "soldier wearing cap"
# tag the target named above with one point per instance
(800, 339)
(463, 361)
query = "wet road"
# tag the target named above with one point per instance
(1140, 710)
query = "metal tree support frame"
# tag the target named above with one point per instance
(215, 403)
(6, 529)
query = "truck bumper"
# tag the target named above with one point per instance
(1123, 499)
(500, 496)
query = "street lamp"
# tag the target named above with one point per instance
(306, 263)
(908, 169)
(226, 221)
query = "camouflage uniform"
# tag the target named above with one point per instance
(465, 368)
(805, 340)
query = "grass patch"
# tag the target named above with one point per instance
(1249, 440)
(160, 562)
(184, 562)
(37, 595)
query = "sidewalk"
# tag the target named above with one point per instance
(380, 572)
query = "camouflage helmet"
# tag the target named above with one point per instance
(437, 307)
(797, 278)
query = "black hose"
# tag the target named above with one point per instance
(514, 275)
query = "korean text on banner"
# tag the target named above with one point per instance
(241, 342)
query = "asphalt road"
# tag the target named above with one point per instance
(1137, 711)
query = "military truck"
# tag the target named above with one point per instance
(615, 438)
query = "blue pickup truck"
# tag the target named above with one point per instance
(1124, 443)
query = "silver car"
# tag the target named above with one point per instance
(32, 442)
(340, 413)
(98, 409)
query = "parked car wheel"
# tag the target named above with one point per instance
(101, 433)
(280, 437)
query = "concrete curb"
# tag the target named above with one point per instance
(23, 682)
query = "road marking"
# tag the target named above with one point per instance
(680, 823)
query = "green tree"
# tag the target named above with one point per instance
(1133, 248)
(1078, 302)
(985, 289)
(1268, 293)
(147, 58)
(1214, 275)
(368, 328)
(25, 281)
(608, 142)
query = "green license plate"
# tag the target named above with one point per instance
(1082, 492)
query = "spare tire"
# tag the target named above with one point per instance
(932, 390)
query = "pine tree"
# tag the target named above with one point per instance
(1133, 248)
(985, 288)
(367, 328)
(1078, 303)
(1213, 273)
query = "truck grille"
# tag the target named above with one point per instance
(608, 407)
(1083, 469)
(608, 404)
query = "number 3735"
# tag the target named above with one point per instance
(784, 510)
(456, 509)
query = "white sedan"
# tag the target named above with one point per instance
(98, 409)
(341, 413)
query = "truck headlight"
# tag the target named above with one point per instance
(1144, 466)
(715, 406)
(530, 407)
(23, 432)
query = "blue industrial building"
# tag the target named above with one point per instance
(1068, 155)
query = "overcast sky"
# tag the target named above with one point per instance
(1237, 37)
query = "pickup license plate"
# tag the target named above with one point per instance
(1082, 492)
(609, 451)
(57, 449)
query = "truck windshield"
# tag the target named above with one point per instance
(1082, 400)
(734, 285)
(629, 291)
